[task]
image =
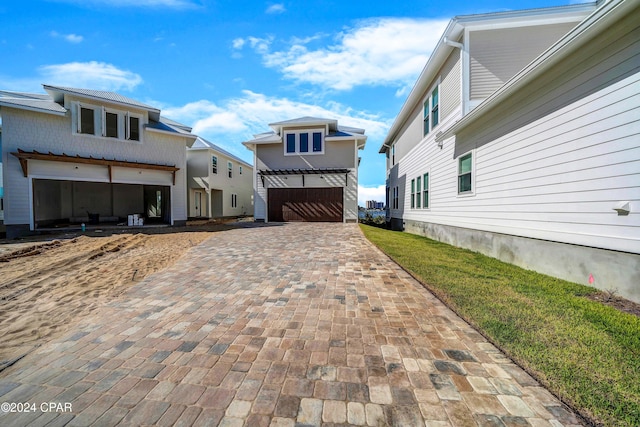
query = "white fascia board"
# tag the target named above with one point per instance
(30, 108)
(190, 138)
(600, 19)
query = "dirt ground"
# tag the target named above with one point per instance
(48, 283)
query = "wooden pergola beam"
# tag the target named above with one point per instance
(24, 156)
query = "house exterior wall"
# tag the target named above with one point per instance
(497, 54)
(549, 166)
(45, 133)
(337, 154)
(201, 176)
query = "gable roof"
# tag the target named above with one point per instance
(603, 17)
(57, 94)
(38, 103)
(202, 144)
(449, 41)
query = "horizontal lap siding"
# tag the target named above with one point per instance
(498, 54)
(555, 165)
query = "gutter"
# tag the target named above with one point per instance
(601, 18)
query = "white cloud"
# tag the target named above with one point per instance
(71, 38)
(235, 120)
(379, 52)
(238, 43)
(276, 8)
(371, 193)
(94, 75)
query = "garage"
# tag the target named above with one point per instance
(305, 204)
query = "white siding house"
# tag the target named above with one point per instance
(306, 169)
(79, 155)
(220, 184)
(539, 162)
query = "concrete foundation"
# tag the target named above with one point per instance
(612, 271)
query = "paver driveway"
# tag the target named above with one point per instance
(281, 325)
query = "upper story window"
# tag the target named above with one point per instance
(230, 169)
(107, 123)
(465, 171)
(431, 111)
(304, 142)
(393, 154)
(214, 164)
(240, 170)
(86, 122)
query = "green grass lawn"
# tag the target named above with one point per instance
(585, 352)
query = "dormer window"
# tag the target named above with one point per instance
(87, 121)
(106, 122)
(304, 142)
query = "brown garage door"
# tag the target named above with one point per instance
(305, 204)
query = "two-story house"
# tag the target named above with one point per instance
(520, 140)
(306, 169)
(77, 155)
(220, 184)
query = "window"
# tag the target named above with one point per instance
(230, 169)
(133, 128)
(465, 165)
(234, 200)
(393, 154)
(425, 120)
(425, 191)
(317, 142)
(111, 125)
(435, 105)
(291, 143)
(418, 180)
(240, 170)
(413, 193)
(431, 111)
(396, 197)
(214, 164)
(298, 143)
(87, 121)
(387, 198)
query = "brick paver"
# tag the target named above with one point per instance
(277, 325)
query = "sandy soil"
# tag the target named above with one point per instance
(48, 284)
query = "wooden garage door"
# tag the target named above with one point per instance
(305, 204)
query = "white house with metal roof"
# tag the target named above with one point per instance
(306, 169)
(219, 183)
(520, 140)
(74, 156)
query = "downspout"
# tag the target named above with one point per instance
(463, 72)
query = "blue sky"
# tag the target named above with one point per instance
(228, 67)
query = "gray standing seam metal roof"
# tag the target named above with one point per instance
(101, 94)
(203, 143)
(45, 105)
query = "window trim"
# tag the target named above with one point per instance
(230, 169)
(310, 142)
(413, 193)
(471, 173)
(426, 189)
(430, 111)
(214, 167)
(234, 200)
(100, 112)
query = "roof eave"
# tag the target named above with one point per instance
(573, 40)
(30, 108)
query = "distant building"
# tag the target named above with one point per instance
(372, 204)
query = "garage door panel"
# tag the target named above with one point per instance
(305, 204)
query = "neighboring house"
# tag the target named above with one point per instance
(78, 155)
(521, 140)
(306, 169)
(220, 184)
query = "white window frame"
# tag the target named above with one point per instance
(97, 125)
(428, 108)
(127, 125)
(472, 173)
(214, 168)
(230, 169)
(100, 122)
(119, 125)
(309, 151)
(234, 200)
(240, 170)
(427, 190)
(413, 193)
